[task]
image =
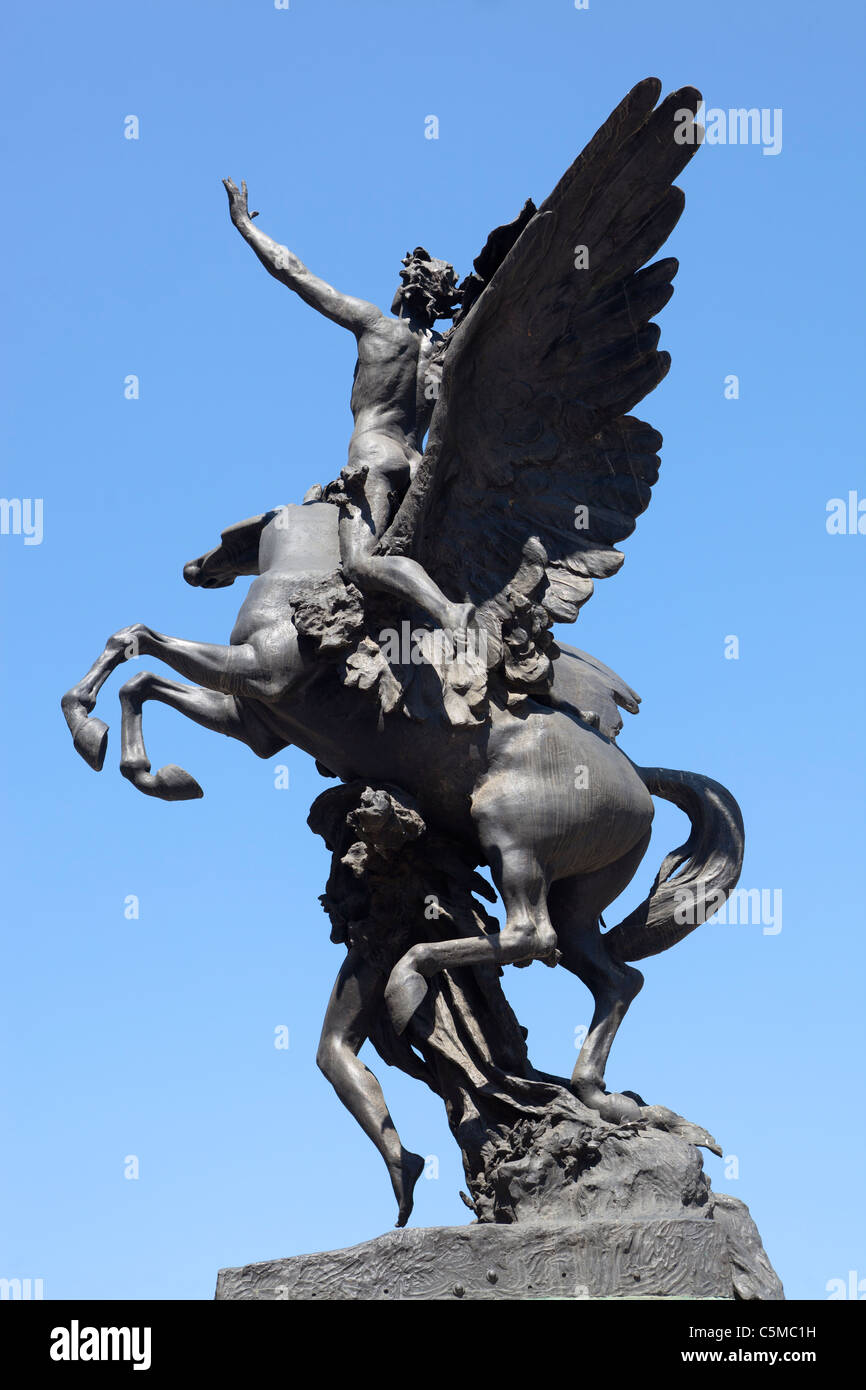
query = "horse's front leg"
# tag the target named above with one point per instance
(205, 707)
(250, 668)
(262, 668)
(90, 736)
(224, 714)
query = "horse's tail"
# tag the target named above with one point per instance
(696, 879)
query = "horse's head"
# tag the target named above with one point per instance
(210, 571)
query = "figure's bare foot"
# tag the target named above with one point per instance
(404, 1176)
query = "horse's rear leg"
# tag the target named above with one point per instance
(526, 936)
(212, 710)
(575, 906)
(522, 886)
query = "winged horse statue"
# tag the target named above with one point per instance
(397, 628)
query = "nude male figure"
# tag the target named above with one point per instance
(391, 405)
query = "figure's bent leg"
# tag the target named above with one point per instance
(527, 935)
(206, 707)
(356, 996)
(396, 574)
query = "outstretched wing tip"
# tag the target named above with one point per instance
(687, 96)
(550, 442)
(664, 363)
(648, 86)
(649, 89)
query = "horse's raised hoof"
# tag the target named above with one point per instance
(171, 783)
(91, 741)
(404, 992)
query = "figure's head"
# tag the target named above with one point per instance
(428, 288)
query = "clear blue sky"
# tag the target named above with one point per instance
(154, 1037)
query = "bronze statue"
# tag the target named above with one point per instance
(398, 630)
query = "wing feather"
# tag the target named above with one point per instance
(532, 438)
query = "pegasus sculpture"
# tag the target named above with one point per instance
(398, 629)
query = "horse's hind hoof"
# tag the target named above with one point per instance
(612, 1106)
(91, 741)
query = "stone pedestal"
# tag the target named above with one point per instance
(716, 1254)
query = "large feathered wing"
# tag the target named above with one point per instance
(531, 440)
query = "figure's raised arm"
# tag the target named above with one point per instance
(279, 261)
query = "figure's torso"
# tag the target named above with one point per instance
(396, 380)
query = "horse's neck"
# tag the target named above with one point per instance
(302, 539)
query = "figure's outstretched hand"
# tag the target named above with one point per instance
(238, 202)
